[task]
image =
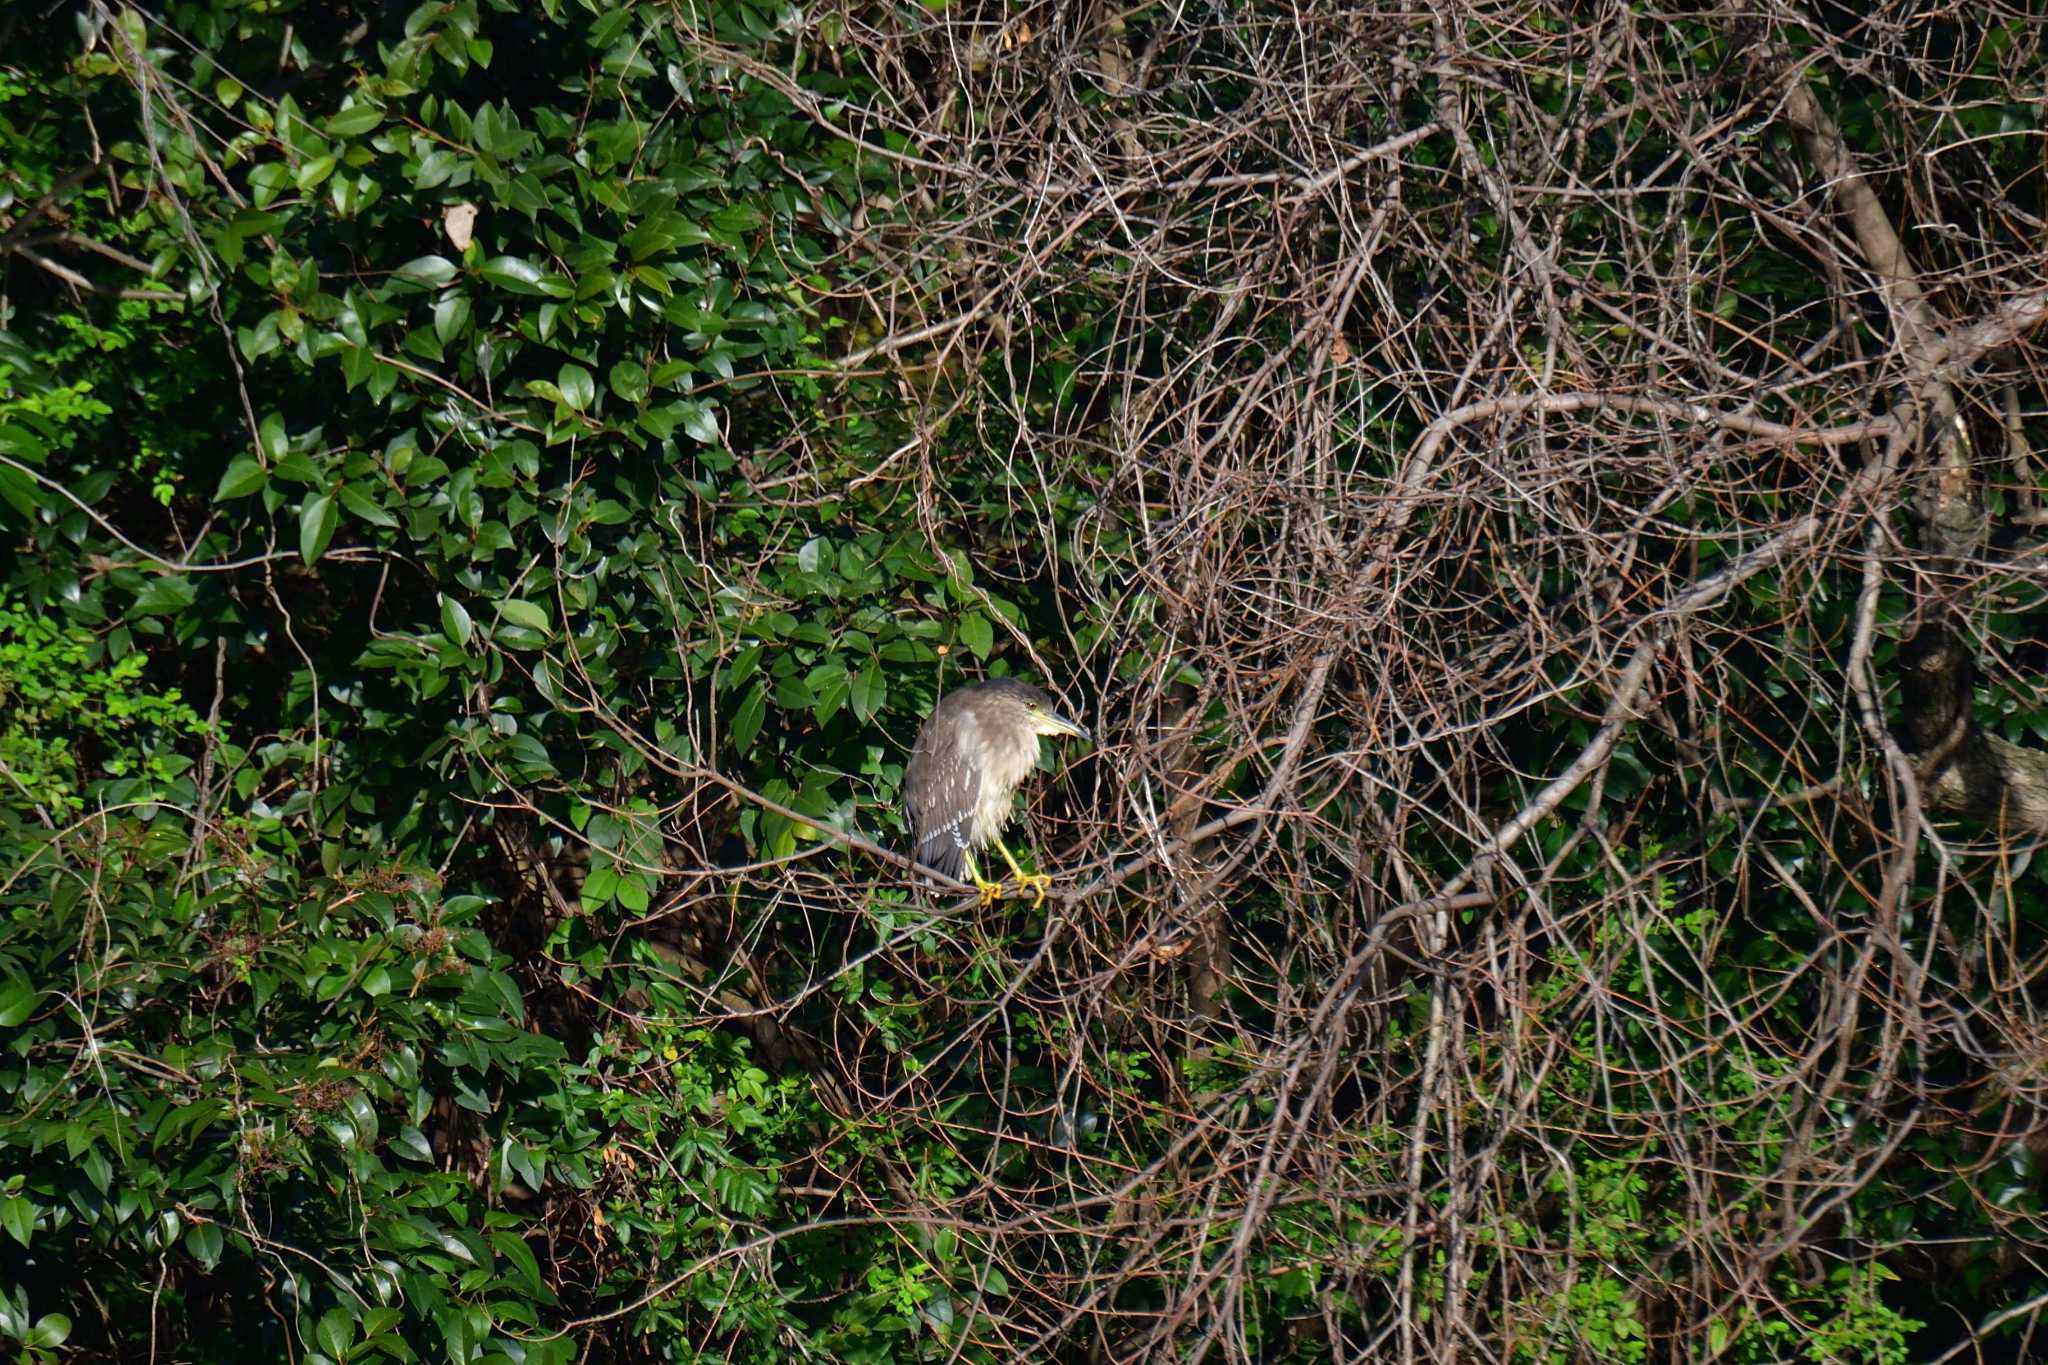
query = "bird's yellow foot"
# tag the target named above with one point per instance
(991, 892)
(1037, 883)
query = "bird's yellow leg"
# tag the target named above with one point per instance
(1038, 883)
(990, 891)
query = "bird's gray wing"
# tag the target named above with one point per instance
(940, 788)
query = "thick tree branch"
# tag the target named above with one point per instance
(1961, 769)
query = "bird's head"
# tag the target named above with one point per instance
(1032, 708)
(1047, 721)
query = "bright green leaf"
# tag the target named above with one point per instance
(359, 505)
(425, 272)
(524, 277)
(18, 1217)
(699, 424)
(977, 634)
(531, 615)
(242, 477)
(51, 1330)
(869, 690)
(577, 388)
(629, 380)
(455, 622)
(355, 121)
(599, 887)
(451, 316)
(336, 1333)
(318, 516)
(829, 683)
(271, 436)
(309, 174)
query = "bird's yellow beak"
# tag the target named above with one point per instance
(1053, 723)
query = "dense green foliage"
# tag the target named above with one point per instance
(472, 569)
(247, 989)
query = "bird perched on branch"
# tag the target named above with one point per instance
(971, 756)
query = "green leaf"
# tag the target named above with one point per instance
(578, 389)
(271, 436)
(18, 1217)
(524, 277)
(20, 442)
(164, 596)
(360, 506)
(205, 1242)
(599, 887)
(51, 1330)
(513, 1249)
(794, 694)
(829, 683)
(318, 516)
(22, 493)
(297, 467)
(336, 1333)
(412, 1143)
(530, 755)
(531, 615)
(629, 380)
(426, 272)
(699, 424)
(455, 622)
(268, 181)
(869, 691)
(977, 634)
(662, 231)
(309, 175)
(451, 316)
(355, 121)
(747, 717)
(242, 477)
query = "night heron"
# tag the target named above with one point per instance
(971, 756)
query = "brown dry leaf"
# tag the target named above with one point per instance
(459, 219)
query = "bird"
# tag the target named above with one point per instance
(971, 755)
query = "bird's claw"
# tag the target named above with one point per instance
(990, 892)
(1037, 883)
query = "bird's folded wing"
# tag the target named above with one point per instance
(941, 789)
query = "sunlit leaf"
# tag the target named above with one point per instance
(318, 516)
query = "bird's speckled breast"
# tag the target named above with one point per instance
(1011, 757)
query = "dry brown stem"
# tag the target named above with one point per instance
(1425, 412)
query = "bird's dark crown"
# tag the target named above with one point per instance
(1011, 689)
